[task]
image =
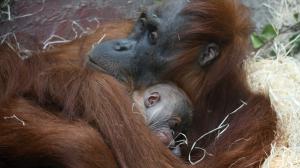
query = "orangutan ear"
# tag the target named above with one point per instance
(152, 99)
(208, 54)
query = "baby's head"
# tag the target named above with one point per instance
(166, 108)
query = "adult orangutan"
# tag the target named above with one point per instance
(56, 113)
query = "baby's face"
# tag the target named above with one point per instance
(166, 108)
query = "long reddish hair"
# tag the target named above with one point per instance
(55, 89)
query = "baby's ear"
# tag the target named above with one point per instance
(152, 99)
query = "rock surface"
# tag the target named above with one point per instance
(48, 21)
(260, 13)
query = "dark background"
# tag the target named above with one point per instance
(34, 25)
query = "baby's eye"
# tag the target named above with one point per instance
(174, 122)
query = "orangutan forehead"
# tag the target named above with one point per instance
(169, 9)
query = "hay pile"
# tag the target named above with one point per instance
(280, 79)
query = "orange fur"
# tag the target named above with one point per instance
(56, 83)
(59, 100)
(221, 88)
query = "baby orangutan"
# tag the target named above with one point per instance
(167, 111)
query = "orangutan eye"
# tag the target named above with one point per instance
(143, 23)
(153, 36)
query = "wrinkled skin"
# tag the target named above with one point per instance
(147, 52)
(167, 110)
